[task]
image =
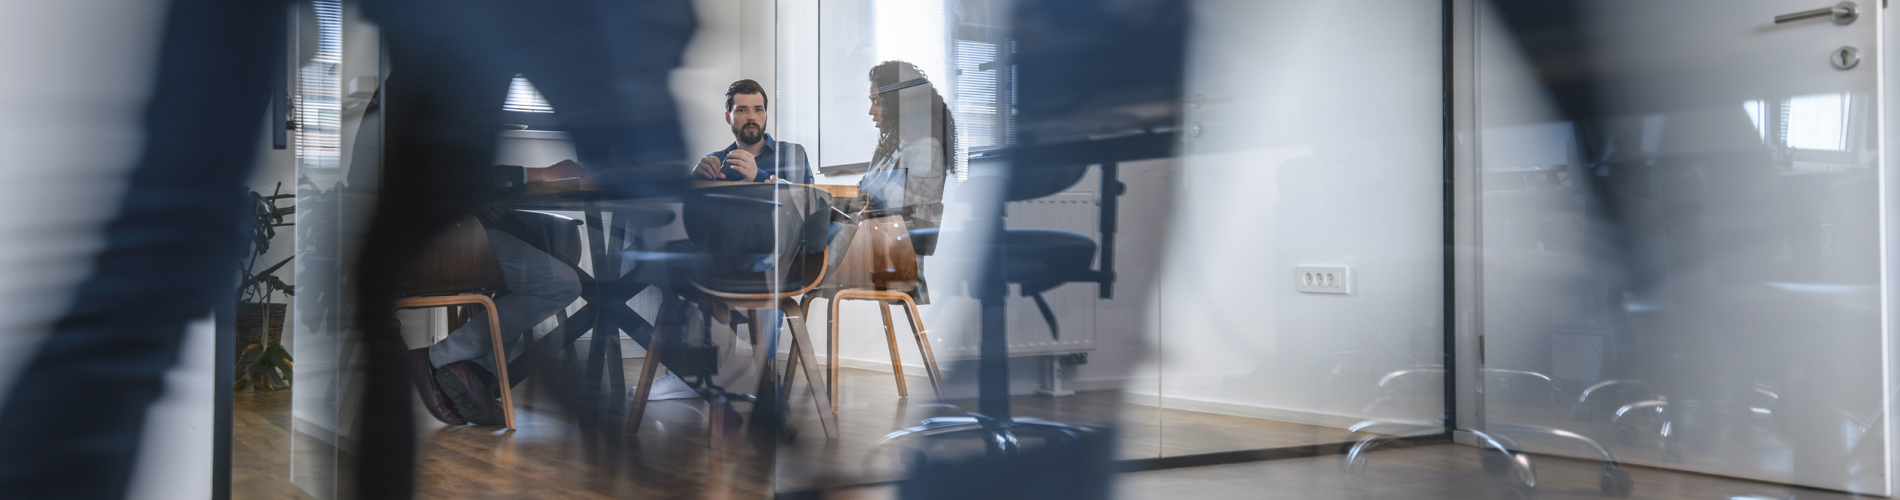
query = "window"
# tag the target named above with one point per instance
(319, 90)
(984, 87)
(522, 97)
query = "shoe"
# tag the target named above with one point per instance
(424, 377)
(667, 386)
(466, 392)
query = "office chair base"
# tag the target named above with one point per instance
(1497, 454)
(1005, 437)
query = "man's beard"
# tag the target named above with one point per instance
(749, 136)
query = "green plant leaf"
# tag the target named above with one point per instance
(277, 382)
(250, 356)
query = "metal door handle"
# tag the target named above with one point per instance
(1843, 13)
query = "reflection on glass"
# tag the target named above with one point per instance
(1816, 121)
(523, 97)
(1672, 280)
(322, 313)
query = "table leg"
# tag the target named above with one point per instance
(616, 242)
(604, 330)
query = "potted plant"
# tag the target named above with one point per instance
(262, 359)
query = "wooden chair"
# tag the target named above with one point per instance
(459, 268)
(880, 265)
(731, 221)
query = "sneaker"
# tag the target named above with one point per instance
(467, 394)
(667, 386)
(424, 378)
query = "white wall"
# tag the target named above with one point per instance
(1304, 157)
(733, 42)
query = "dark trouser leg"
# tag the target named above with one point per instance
(441, 113)
(79, 406)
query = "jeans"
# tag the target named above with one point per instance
(538, 286)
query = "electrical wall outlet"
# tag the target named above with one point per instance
(1322, 279)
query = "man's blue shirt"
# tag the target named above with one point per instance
(795, 168)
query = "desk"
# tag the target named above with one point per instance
(838, 191)
(607, 290)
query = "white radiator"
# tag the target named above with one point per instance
(1073, 303)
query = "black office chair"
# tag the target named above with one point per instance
(1095, 84)
(1037, 261)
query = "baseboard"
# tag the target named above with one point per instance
(881, 365)
(1277, 414)
(1262, 412)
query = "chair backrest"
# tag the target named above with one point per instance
(459, 259)
(734, 224)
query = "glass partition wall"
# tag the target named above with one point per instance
(1198, 335)
(1683, 272)
(1682, 269)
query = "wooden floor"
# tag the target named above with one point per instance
(669, 458)
(1441, 471)
(547, 457)
(261, 446)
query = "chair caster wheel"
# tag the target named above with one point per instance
(1615, 482)
(1495, 462)
(1625, 433)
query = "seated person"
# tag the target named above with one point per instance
(907, 170)
(908, 167)
(456, 376)
(753, 156)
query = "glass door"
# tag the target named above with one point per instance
(1679, 221)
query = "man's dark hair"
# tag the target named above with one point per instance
(746, 86)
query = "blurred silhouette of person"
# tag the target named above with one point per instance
(602, 65)
(80, 400)
(84, 390)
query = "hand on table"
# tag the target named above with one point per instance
(566, 169)
(708, 168)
